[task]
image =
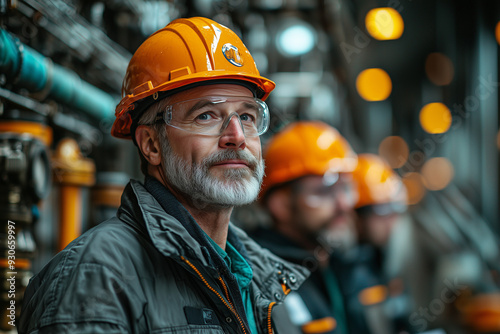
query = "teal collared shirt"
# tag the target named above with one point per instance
(243, 272)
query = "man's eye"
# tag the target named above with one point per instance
(204, 117)
(247, 118)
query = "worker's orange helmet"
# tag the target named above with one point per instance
(377, 182)
(305, 148)
(185, 53)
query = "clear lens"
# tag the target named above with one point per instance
(211, 115)
(329, 193)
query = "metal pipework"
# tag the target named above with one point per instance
(26, 68)
(72, 172)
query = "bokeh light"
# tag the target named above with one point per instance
(435, 118)
(373, 295)
(497, 32)
(439, 69)
(296, 39)
(437, 173)
(414, 186)
(374, 84)
(384, 23)
(395, 150)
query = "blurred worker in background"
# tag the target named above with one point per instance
(381, 206)
(309, 194)
(381, 201)
(170, 261)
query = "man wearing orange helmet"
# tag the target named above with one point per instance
(382, 199)
(309, 194)
(381, 204)
(170, 261)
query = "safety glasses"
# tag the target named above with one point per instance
(210, 116)
(332, 188)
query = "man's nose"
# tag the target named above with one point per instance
(344, 201)
(232, 135)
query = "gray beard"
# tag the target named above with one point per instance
(237, 186)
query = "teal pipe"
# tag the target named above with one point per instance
(37, 73)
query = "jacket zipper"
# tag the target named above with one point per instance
(286, 290)
(230, 305)
(226, 292)
(269, 325)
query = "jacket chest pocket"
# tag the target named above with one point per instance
(199, 320)
(191, 329)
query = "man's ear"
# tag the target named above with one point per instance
(148, 143)
(279, 204)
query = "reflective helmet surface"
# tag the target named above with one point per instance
(306, 148)
(377, 182)
(186, 52)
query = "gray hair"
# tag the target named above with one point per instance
(149, 118)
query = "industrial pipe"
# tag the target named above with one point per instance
(26, 68)
(72, 172)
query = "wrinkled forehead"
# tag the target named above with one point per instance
(211, 90)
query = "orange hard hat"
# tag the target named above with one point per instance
(305, 148)
(183, 54)
(377, 182)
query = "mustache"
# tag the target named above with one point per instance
(224, 155)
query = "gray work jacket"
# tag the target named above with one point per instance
(142, 272)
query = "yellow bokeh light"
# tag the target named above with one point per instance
(374, 84)
(395, 150)
(437, 173)
(384, 23)
(435, 118)
(414, 187)
(439, 69)
(497, 32)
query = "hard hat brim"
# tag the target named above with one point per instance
(121, 125)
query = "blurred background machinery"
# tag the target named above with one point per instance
(414, 81)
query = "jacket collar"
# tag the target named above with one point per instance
(165, 222)
(267, 266)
